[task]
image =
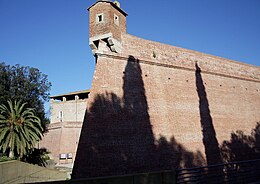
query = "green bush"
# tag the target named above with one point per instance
(37, 156)
(5, 158)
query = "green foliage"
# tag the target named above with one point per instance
(26, 84)
(5, 158)
(20, 128)
(37, 156)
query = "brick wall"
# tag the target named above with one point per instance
(161, 114)
(107, 25)
(156, 107)
(52, 136)
(62, 138)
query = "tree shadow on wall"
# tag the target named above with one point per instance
(117, 136)
(242, 147)
(209, 138)
(208, 131)
(174, 156)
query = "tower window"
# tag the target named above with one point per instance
(60, 116)
(116, 19)
(100, 18)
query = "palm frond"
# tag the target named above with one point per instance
(20, 128)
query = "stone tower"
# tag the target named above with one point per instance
(107, 22)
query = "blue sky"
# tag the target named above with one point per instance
(52, 35)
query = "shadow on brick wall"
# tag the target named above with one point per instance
(208, 132)
(117, 137)
(209, 139)
(173, 155)
(242, 147)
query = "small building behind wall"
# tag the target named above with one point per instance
(67, 113)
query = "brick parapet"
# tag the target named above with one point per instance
(167, 65)
(171, 56)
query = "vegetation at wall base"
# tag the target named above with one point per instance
(37, 156)
(6, 158)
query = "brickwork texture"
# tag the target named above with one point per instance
(155, 107)
(63, 132)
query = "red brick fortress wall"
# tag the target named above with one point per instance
(151, 108)
(155, 107)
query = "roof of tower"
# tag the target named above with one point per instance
(112, 3)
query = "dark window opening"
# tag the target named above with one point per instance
(100, 18)
(60, 116)
(116, 20)
(154, 54)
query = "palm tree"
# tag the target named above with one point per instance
(20, 128)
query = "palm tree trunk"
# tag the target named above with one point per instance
(11, 153)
